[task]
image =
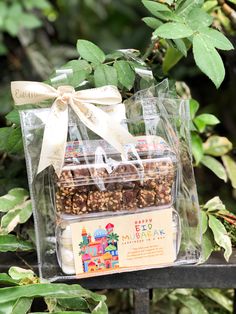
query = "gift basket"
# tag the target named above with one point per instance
(111, 183)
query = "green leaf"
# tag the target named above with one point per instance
(211, 64)
(55, 290)
(217, 296)
(205, 119)
(13, 18)
(215, 166)
(220, 235)
(114, 55)
(78, 65)
(159, 294)
(105, 75)
(168, 16)
(230, 166)
(15, 216)
(198, 18)
(30, 21)
(6, 307)
(11, 140)
(14, 117)
(15, 10)
(194, 106)
(171, 58)
(180, 45)
(197, 147)
(41, 4)
(215, 38)
(3, 13)
(74, 303)
(5, 279)
(100, 308)
(209, 5)
(78, 71)
(125, 73)
(173, 30)
(11, 243)
(90, 52)
(193, 304)
(155, 7)
(77, 78)
(14, 197)
(19, 193)
(208, 245)
(18, 273)
(217, 146)
(7, 202)
(186, 6)
(204, 221)
(11, 26)
(22, 306)
(152, 22)
(214, 204)
(65, 312)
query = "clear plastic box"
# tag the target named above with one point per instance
(87, 187)
(155, 182)
(65, 253)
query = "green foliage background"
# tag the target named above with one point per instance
(37, 36)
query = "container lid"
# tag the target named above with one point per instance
(150, 159)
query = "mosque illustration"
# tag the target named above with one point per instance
(102, 253)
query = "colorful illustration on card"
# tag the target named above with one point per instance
(100, 251)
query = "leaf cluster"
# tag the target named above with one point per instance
(23, 286)
(192, 301)
(99, 69)
(185, 24)
(15, 209)
(15, 15)
(214, 147)
(213, 229)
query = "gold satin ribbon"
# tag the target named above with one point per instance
(82, 102)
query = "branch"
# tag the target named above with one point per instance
(228, 11)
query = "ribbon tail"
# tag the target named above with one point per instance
(102, 124)
(54, 140)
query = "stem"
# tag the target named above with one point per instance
(24, 261)
(228, 11)
(148, 51)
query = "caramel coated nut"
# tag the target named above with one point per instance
(63, 203)
(66, 183)
(115, 200)
(125, 171)
(163, 194)
(146, 198)
(79, 203)
(130, 199)
(128, 187)
(97, 201)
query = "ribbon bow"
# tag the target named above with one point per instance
(82, 103)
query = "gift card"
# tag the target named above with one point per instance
(122, 243)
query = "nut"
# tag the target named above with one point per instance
(146, 198)
(97, 201)
(79, 203)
